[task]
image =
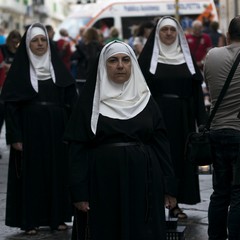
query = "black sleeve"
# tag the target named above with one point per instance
(13, 124)
(71, 97)
(79, 173)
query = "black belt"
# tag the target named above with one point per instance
(81, 80)
(118, 144)
(48, 104)
(169, 96)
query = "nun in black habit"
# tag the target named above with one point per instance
(39, 94)
(121, 174)
(175, 83)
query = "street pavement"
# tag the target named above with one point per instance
(196, 224)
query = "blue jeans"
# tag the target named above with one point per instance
(224, 207)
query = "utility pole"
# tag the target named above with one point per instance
(177, 10)
(236, 7)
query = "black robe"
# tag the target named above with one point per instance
(181, 116)
(38, 189)
(179, 95)
(124, 185)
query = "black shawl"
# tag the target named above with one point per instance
(18, 87)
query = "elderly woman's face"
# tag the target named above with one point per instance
(39, 45)
(119, 68)
(168, 34)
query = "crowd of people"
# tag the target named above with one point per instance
(97, 128)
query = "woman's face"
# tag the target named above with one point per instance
(168, 34)
(119, 68)
(39, 45)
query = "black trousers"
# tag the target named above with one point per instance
(224, 207)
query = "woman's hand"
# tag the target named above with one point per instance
(170, 202)
(17, 146)
(82, 206)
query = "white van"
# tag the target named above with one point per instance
(124, 14)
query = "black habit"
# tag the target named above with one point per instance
(179, 95)
(38, 190)
(124, 185)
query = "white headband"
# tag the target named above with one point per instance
(116, 48)
(36, 31)
(168, 21)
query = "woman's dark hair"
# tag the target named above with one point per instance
(14, 34)
(234, 29)
(91, 34)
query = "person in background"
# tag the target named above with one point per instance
(121, 172)
(38, 94)
(218, 39)
(10, 48)
(133, 31)
(80, 35)
(51, 34)
(64, 48)
(114, 35)
(104, 29)
(2, 36)
(86, 52)
(199, 43)
(224, 207)
(74, 57)
(143, 33)
(50, 31)
(175, 83)
(7, 52)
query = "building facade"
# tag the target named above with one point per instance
(227, 10)
(16, 14)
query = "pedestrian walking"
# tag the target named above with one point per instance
(121, 171)
(199, 43)
(7, 51)
(64, 48)
(175, 83)
(224, 207)
(86, 52)
(38, 93)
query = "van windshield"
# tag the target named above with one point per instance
(72, 25)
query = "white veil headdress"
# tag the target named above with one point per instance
(175, 54)
(40, 66)
(118, 101)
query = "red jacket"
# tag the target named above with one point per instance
(64, 50)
